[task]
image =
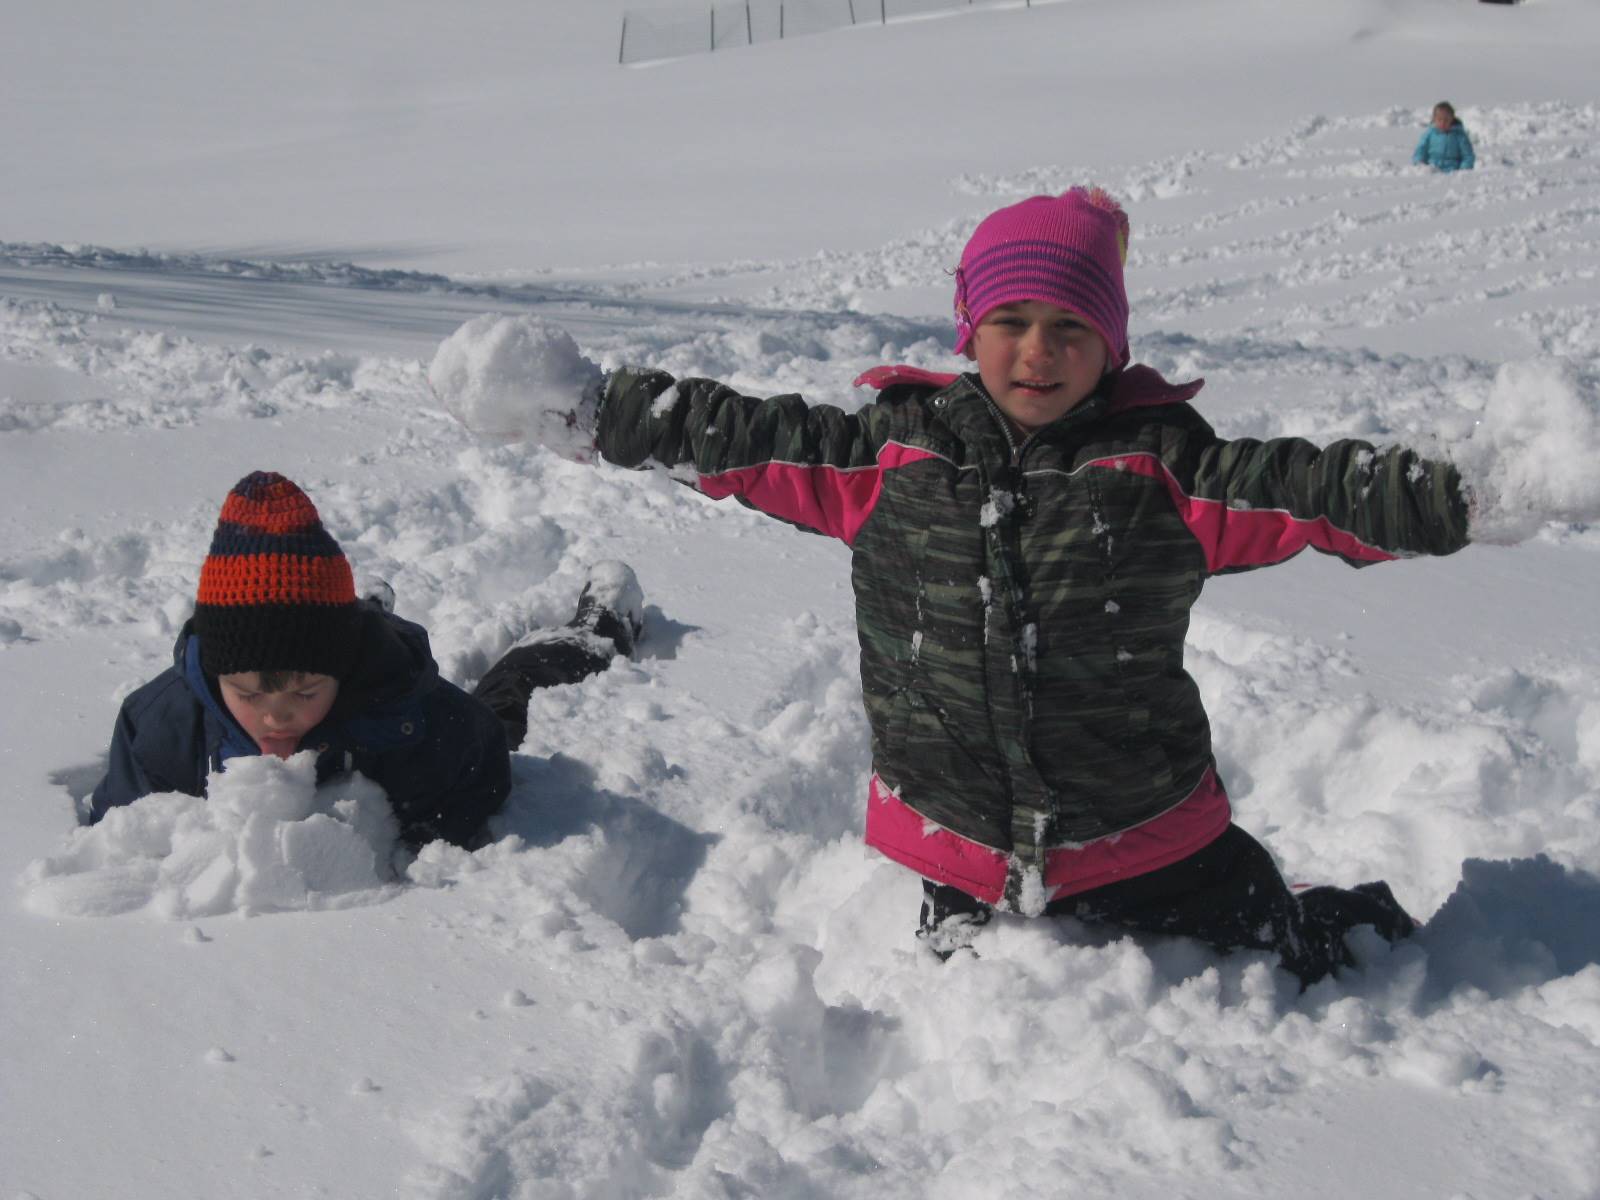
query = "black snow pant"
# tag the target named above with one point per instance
(1229, 895)
(508, 685)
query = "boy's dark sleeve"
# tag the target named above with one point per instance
(1252, 503)
(146, 721)
(474, 786)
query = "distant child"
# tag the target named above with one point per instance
(1028, 540)
(1445, 144)
(281, 656)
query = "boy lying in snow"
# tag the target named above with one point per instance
(281, 656)
(1028, 540)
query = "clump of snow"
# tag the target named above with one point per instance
(516, 377)
(267, 839)
(1531, 459)
(997, 508)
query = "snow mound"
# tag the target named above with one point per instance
(267, 840)
(512, 377)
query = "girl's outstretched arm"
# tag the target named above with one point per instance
(1253, 503)
(814, 465)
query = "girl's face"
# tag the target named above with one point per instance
(1443, 118)
(1037, 361)
(278, 720)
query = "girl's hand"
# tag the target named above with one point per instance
(519, 379)
(1534, 454)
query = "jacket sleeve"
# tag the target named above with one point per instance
(1420, 154)
(475, 787)
(813, 465)
(1253, 503)
(1468, 159)
(128, 777)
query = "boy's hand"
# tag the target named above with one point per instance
(1531, 457)
(519, 379)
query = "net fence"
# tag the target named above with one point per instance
(652, 34)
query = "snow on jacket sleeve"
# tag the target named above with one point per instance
(1252, 503)
(814, 465)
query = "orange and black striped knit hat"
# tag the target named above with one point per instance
(276, 593)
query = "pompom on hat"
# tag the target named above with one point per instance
(276, 592)
(1066, 250)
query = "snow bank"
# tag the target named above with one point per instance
(267, 839)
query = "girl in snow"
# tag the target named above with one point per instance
(1445, 145)
(1028, 539)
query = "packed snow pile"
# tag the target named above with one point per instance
(267, 839)
(504, 377)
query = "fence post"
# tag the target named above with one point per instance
(749, 33)
(883, 11)
(780, 22)
(622, 42)
(713, 28)
(852, 12)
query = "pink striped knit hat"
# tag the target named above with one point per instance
(1066, 250)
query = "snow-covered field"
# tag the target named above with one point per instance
(231, 238)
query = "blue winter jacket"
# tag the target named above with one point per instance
(439, 754)
(1448, 151)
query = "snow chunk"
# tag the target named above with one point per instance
(1530, 460)
(518, 378)
(663, 404)
(997, 509)
(268, 839)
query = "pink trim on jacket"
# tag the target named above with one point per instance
(1244, 537)
(833, 500)
(906, 836)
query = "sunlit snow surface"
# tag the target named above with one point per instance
(678, 972)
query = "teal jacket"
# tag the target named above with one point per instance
(1450, 150)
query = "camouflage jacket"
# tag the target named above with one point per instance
(1022, 605)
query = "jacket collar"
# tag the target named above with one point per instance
(379, 705)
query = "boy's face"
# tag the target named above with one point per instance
(278, 720)
(1038, 362)
(1443, 118)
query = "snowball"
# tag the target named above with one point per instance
(518, 378)
(1531, 458)
(267, 839)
